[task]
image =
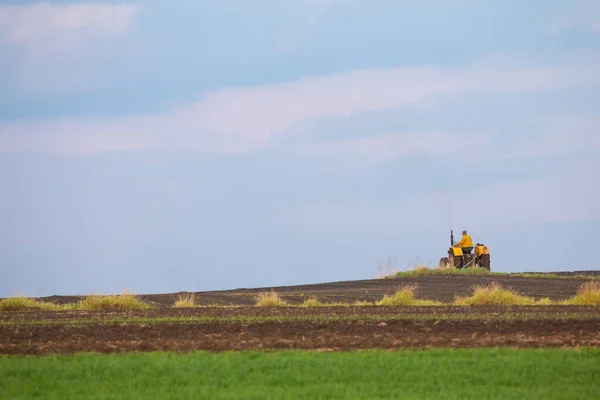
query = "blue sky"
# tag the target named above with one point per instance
(161, 147)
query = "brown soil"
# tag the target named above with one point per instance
(332, 335)
(365, 327)
(317, 328)
(441, 288)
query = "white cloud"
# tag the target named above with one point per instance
(61, 26)
(242, 119)
(54, 49)
(260, 112)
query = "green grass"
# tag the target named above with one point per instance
(473, 271)
(430, 374)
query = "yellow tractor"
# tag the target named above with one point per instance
(457, 259)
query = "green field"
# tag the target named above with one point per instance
(430, 374)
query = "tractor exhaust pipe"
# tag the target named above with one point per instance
(451, 238)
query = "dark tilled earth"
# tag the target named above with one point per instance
(287, 313)
(316, 328)
(331, 335)
(441, 288)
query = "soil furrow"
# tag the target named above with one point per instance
(337, 335)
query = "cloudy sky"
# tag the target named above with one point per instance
(163, 146)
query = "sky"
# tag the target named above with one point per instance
(157, 146)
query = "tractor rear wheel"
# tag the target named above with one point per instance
(456, 262)
(484, 261)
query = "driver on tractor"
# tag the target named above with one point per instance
(466, 243)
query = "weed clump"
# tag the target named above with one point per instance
(124, 301)
(587, 295)
(269, 299)
(495, 294)
(405, 297)
(313, 302)
(22, 303)
(185, 300)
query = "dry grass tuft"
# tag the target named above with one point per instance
(185, 300)
(405, 296)
(269, 299)
(363, 303)
(124, 301)
(587, 295)
(495, 294)
(421, 267)
(22, 303)
(312, 302)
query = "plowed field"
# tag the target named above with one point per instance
(245, 327)
(441, 288)
(299, 328)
